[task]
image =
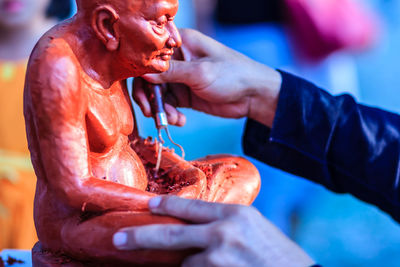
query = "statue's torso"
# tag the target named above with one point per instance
(108, 120)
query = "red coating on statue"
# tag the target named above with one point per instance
(93, 169)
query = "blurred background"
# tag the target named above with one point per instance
(22, 22)
(336, 230)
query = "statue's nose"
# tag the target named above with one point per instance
(175, 39)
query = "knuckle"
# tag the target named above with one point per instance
(171, 235)
(236, 240)
(204, 70)
(191, 205)
(204, 74)
(231, 235)
(221, 232)
(238, 211)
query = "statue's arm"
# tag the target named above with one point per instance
(59, 107)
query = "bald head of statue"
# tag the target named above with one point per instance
(85, 5)
(141, 33)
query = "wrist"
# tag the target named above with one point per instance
(264, 99)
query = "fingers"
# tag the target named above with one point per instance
(140, 96)
(196, 211)
(167, 237)
(172, 237)
(178, 72)
(174, 116)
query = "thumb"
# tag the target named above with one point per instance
(178, 72)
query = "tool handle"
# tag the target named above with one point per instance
(157, 106)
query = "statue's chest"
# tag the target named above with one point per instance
(108, 117)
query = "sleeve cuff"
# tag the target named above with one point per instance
(297, 124)
(300, 134)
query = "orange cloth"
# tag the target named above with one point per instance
(17, 178)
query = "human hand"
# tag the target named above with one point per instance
(230, 235)
(210, 77)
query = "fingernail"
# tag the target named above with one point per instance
(120, 239)
(154, 202)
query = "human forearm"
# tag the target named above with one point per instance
(266, 86)
(333, 141)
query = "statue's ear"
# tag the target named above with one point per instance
(104, 25)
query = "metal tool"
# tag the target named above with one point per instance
(160, 119)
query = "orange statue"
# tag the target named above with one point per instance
(94, 171)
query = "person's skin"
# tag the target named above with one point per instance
(219, 81)
(22, 22)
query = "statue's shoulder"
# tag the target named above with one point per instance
(53, 53)
(53, 63)
(53, 75)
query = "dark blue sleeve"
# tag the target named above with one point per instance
(333, 141)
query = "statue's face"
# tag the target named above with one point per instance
(148, 35)
(21, 13)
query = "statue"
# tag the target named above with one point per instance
(94, 171)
